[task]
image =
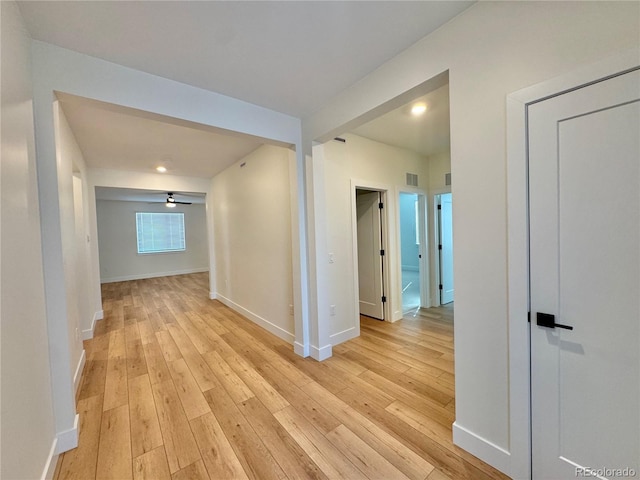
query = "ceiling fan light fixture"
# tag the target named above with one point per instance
(170, 204)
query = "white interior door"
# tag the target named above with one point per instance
(446, 249)
(584, 181)
(369, 257)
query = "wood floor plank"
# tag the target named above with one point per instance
(438, 475)
(95, 374)
(201, 371)
(115, 390)
(151, 466)
(365, 458)
(261, 388)
(136, 363)
(147, 335)
(199, 341)
(182, 340)
(386, 398)
(117, 344)
(412, 399)
(131, 332)
(232, 383)
(378, 354)
(195, 471)
(180, 446)
(315, 413)
(168, 346)
(318, 371)
(320, 449)
(193, 402)
(290, 456)
(145, 428)
(257, 461)
(399, 455)
(218, 455)
(114, 452)
(421, 422)
(156, 364)
(80, 463)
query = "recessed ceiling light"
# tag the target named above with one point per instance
(161, 169)
(418, 109)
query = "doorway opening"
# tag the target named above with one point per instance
(370, 243)
(444, 240)
(412, 248)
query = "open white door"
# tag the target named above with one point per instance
(369, 253)
(584, 180)
(445, 211)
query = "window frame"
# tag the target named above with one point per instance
(165, 250)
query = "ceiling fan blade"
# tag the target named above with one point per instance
(183, 203)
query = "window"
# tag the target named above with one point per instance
(160, 232)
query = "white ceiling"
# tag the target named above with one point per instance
(290, 56)
(119, 138)
(427, 134)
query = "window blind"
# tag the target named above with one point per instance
(160, 232)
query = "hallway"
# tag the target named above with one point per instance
(178, 386)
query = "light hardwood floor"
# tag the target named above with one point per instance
(177, 386)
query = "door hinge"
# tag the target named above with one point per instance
(440, 286)
(529, 317)
(381, 205)
(439, 247)
(439, 207)
(384, 299)
(382, 253)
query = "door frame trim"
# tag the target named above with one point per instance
(384, 224)
(425, 244)
(518, 246)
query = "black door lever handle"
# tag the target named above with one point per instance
(549, 321)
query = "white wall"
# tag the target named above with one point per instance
(490, 50)
(119, 258)
(27, 430)
(253, 238)
(362, 162)
(72, 180)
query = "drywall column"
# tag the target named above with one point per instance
(28, 432)
(320, 346)
(299, 251)
(66, 420)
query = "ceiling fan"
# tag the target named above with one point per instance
(172, 202)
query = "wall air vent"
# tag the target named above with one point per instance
(412, 179)
(447, 179)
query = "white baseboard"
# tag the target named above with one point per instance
(88, 334)
(213, 296)
(321, 353)
(263, 322)
(68, 439)
(486, 451)
(50, 465)
(302, 350)
(140, 276)
(79, 370)
(341, 337)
